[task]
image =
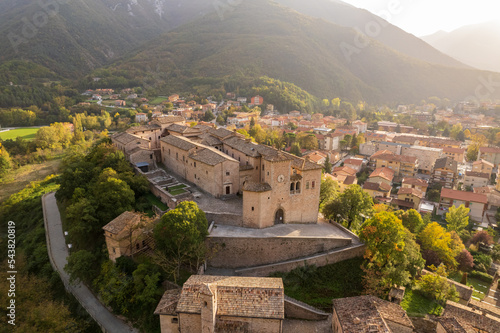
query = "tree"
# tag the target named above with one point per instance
(434, 238)
(435, 286)
(5, 161)
(482, 237)
(336, 103)
(180, 235)
(467, 134)
(412, 220)
(295, 149)
(455, 130)
(328, 191)
(209, 116)
(327, 166)
(82, 266)
(457, 218)
(252, 122)
(465, 261)
(348, 206)
(387, 253)
(220, 120)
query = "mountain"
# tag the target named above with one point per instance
(261, 38)
(476, 45)
(74, 37)
(346, 15)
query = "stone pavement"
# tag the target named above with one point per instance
(58, 253)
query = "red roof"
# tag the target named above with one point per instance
(454, 150)
(494, 150)
(353, 161)
(345, 169)
(463, 196)
(412, 191)
(415, 181)
(382, 187)
(385, 173)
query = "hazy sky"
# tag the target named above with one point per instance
(424, 17)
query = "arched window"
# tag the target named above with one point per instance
(297, 187)
(292, 187)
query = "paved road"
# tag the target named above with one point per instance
(58, 254)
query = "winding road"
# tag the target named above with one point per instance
(58, 254)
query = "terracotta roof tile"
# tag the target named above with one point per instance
(463, 196)
(122, 221)
(384, 172)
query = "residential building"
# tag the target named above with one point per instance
(343, 181)
(317, 157)
(354, 163)
(173, 98)
(411, 195)
(475, 201)
(120, 103)
(377, 190)
(257, 100)
(224, 304)
(483, 166)
(445, 172)
(382, 175)
(369, 314)
(332, 141)
(362, 127)
(490, 154)
(403, 166)
(476, 179)
(458, 154)
(345, 170)
(416, 183)
(141, 117)
(426, 156)
(374, 136)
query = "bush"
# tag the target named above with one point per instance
(485, 277)
(482, 262)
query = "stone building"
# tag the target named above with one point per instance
(369, 314)
(426, 156)
(224, 304)
(127, 234)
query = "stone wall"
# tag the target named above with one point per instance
(225, 218)
(319, 260)
(475, 318)
(298, 310)
(252, 251)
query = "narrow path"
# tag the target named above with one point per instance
(58, 254)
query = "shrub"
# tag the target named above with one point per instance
(485, 277)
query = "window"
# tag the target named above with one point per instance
(253, 208)
(151, 156)
(183, 158)
(194, 176)
(307, 185)
(169, 151)
(313, 184)
(228, 173)
(297, 187)
(268, 173)
(175, 320)
(262, 167)
(143, 243)
(195, 164)
(177, 156)
(292, 187)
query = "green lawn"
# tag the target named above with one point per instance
(480, 287)
(318, 286)
(27, 133)
(416, 304)
(158, 100)
(155, 201)
(177, 187)
(177, 192)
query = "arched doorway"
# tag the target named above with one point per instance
(279, 217)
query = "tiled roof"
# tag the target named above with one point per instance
(368, 314)
(403, 203)
(477, 174)
(384, 172)
(395, 158)
(494, 150)
(446, 162)
(209, 140)
(210, 156)
(221, 133)
(169, 119)
(345, 169)
(382, 187)
(135, 129)
(412, 191)
(454, 325)
(123, 220)
(181, 129)
(483, 162)
(236, 296)
(349, 180)
(244, 146)
(168, 302)
(415, 181)
(353, 161)
(463, 196)
(125, 138)
(256, 187)
(179, 142)
(454, 150)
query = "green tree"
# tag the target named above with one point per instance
(387, 260)
(5, 161)
(295, 149)
(348, 206)
(435, 238)
(81, 266)
(412, 220)
(209, 116)
(180, 236)
(328, 191)
(436, 286)
(327, 166)
(220, 120)
(457, 218)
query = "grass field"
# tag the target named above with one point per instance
(417, 304)
(18, 179)
(177, 189)
(25, 133)
(158, 100)
(480, 287)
